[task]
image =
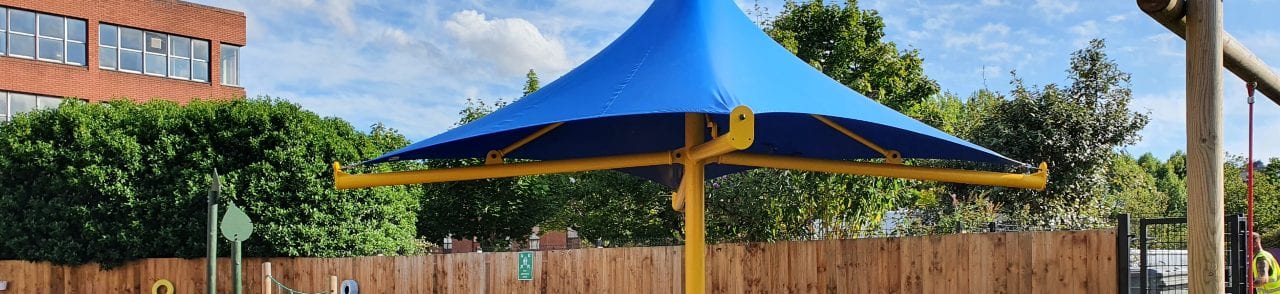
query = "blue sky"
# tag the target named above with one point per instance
(412, 64)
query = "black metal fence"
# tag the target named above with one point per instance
(1157, 250)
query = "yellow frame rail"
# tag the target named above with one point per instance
(496, 156)
(343, 180)
(1036, 180)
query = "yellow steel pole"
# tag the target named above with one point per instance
(695, 239)
(343, 180)
(1026, 181)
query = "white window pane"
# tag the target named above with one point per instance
(155, 64)
(75, 30)
(22, 45)
(75, 53)
(51, 26)
(131, 60)
(201, 49)
(179, 68)
(22, 21)
(107, 35)
(45, 102)
(4, 46)
(107, 57)
(157, 43)
(131, 38)
(51, 49)
(230, 64)
(179, 46)
(200, 71)
(4, 25)
(19, 103)
(4, 103)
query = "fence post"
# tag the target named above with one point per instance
(333, 284)
(1122, 254)
(1142, 256)
(266, 277)
(991, 227)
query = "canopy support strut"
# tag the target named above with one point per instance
(496, 156)
(890, 156)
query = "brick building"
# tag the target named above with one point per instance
(97, 50)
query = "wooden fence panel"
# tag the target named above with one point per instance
(1039, 262)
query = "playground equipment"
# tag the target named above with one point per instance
(1200, 23)
(236, 227)
(694, 89)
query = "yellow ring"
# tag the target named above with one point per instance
(155, 288)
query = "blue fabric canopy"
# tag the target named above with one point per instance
(699, 56)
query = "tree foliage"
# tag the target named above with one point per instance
(119, 181)
(1075, 129)
(846, 43)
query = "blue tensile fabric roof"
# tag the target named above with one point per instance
(699, 56)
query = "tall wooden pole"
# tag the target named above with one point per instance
(1204, 147)
(695, 237)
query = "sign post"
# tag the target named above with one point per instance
(236, 227)
(525, 268)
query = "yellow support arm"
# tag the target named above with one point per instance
(343, 180)
(890, 156)
(1026, 181)
(742, 132)
(495, 156)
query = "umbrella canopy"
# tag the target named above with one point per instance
(693, 56)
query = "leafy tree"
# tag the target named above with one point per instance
(120, 181)
(1132, 189)
(1074, 128)
(531, 83)
(847, 44)
(620, 208)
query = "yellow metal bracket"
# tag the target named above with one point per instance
(890, 156)
(496, 156)
(741, 134)
(1035, 180)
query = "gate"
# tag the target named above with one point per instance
(1162, 256)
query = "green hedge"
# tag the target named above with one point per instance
(120, 181)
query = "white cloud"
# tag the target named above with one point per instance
(1056, 9)
(513, 43)
(1116, 18)
(993, 2)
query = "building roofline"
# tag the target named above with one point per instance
(219, 9)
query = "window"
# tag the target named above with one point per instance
(22, 33)
(13, 103)
(4, 25)
(157, 45)
(152, 53)
(230, 65)
(40, 36)
(130, 50)
(200, 60)
(108, 42)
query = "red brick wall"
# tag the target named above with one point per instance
(93, 84)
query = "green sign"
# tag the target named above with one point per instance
(236, 226)
(525, 268)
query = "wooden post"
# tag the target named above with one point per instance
(1204, 147)
(266, 277)
(333, 284)
(1236, 57)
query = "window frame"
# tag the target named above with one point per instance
(35, 40)
(235, 64)
(168, 55)
(38, 36)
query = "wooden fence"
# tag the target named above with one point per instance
(1025, 262)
